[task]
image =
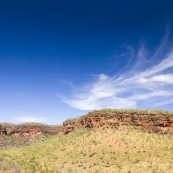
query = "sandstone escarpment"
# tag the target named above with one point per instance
(29, 129)
(25, 134)
(146, 120)
(149, 121)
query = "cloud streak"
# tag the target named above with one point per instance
(150, 87)
(31, 119)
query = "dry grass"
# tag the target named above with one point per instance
(6, 167)
(97, 150)
(133, 111)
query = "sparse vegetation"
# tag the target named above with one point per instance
(93, 150)
(6, 167)
(106, 149)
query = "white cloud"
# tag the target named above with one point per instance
(31, 119)
(163, 43)
(130, 88)
(168, 78)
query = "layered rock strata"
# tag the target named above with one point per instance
(145, 120)
(29, 129)
(148, 121)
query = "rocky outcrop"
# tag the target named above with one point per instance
(2, 130)
(146, 120)
(149, 121)
(29, 129)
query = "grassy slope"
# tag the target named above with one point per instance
(96, 150)
(6, 167)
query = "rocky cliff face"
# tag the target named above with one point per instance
(25, 134)
(149, 121)
(146, 120)
(29, 129)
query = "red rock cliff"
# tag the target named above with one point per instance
(149, 121)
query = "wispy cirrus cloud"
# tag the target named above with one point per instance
(31, 119)
(151, 87)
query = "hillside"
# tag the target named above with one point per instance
(101, 141)
(25, 134)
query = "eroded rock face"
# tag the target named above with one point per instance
(29, 129)
(143, 120)
(25, 134)
(151, 122)
(2, 131)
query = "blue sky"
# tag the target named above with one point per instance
(61, 59)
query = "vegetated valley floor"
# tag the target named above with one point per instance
(104, 149)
